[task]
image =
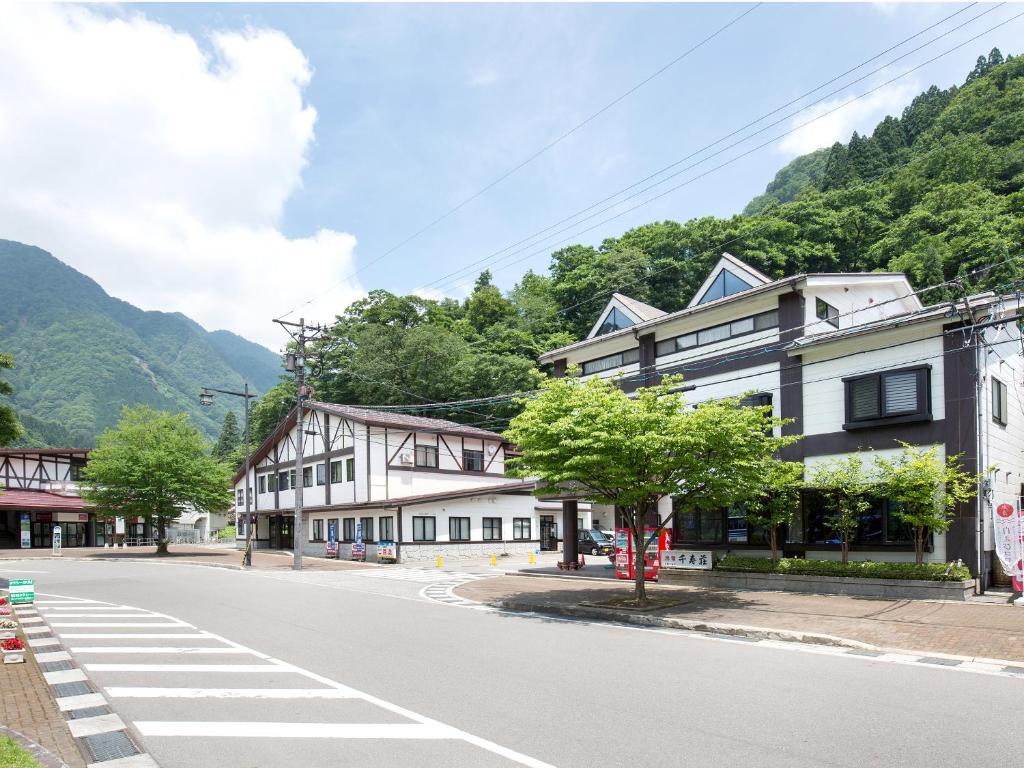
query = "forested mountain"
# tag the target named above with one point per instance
(935, 192)
(80, 355)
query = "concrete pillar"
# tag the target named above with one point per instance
(147, 529)
(570, 531)
(90, 531)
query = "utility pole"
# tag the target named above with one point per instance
(295, 362)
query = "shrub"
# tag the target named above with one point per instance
(227, 533)
(864, 570)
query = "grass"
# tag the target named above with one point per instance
(13, 755)
(865, 570)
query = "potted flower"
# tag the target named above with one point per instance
(7, 628)
(5, 611)
(3, 601)
(14, 650)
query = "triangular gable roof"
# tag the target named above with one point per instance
(736, 269)
(634, 311)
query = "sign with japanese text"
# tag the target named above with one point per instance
(387, 552)
(26, 531)
(21, 591)
(684, 558)
(1008, 531)
(56, 539)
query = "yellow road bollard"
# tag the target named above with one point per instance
(532, 561)
(440, 561)
(494, 561)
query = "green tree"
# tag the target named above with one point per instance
(925, 489)
(155, 465)
(229, 439)
(271, 409)
(592, 439)
(778, 498)
(846, 486)
(10, 429)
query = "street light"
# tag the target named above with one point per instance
(206, 399)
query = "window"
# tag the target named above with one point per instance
(332, 529)
(426, 455)
(335, 471)
(877, 526)
(263, 484)
(998, 402)
(725, 284)
(615, 321)
(889, 397)
(318, 530)
(350, 470)
(492, 529)
(825, 311)
(240, 497)
(348, 529)
(75, 472)
(741, 327)
(291, 478)
(610, 362)
(271, 483)
(472, 461)
(320, 474)
(521, 528)
(387, 528)
(366, 528)
(307, 477)
(283, 481)
(458, 529)
(423, 529)
(756, 400)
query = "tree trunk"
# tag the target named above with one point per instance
(640, 586)
(919, 545)
(773, 539)
(161, 542)
(844, 541)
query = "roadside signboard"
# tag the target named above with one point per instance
(332, 539)
(21, 591)
(387, 552)
(332, 549)
(1008, 525)
(685, 558)
(26, 531)
(119, 525)
(56, 539)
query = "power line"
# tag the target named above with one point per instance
(523, 163)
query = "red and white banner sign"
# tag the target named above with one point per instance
(1008, 524)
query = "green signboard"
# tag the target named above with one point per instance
(21, 591)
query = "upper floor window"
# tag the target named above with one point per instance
(350, 470)
(240, 497)
(335, 471)
(282, 480)
(998, 402)
(726, 284)
(271, 483)
(321, 474)
(262, 484)
(615, 321)
(741, 327)
(888, 397)
(825, 311)
(307, 477)
(426, 455)
(618, 360)
(472, 461)
(75, 472)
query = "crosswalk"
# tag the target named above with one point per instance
(424, 575)
(195, 696)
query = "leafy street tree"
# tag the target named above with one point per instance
(10, 429)
(229, 439)
(846, 485)
(925, 489)
(779, 497)
(155, 465)
(592, 439)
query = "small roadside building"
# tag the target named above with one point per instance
(408, 486)
(858, 362)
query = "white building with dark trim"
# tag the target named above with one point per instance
(857, 362)
(429, 486)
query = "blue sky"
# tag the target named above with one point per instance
(419, 106)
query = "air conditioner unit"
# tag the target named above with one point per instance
(405, 457)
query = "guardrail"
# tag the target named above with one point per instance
(139, 541)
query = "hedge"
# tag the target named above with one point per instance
(863, 570)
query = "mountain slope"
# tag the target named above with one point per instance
(81, 355)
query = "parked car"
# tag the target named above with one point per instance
(595, 543)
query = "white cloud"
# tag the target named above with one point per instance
(861, 115)
(159, 164)
(483, 77)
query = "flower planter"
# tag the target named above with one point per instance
(14, 651)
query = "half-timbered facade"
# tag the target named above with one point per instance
(429, 486)
(857, 362)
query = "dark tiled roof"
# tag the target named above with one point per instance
(40, 500)
(382, 418)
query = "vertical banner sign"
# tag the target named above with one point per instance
(56, 539)
(1008, 525)
(21, 591)
(26, 531)
(332, 539)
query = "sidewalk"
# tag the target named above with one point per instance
(961, 629)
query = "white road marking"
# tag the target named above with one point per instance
(30, 619)
(42, 642)
(161, 649)
(269, 668)
(78, 607)
(68, 602)
(131, 636)
(64, 676)
(82, 701)
(52, 656)
(250, 730)
(35, 630)
(135, 761)
(117, 624)
(231, 693)
(62, 616)
(90, 726)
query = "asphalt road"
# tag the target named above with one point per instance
(344, 669)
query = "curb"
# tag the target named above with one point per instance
(98, 731)
(707, 627)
